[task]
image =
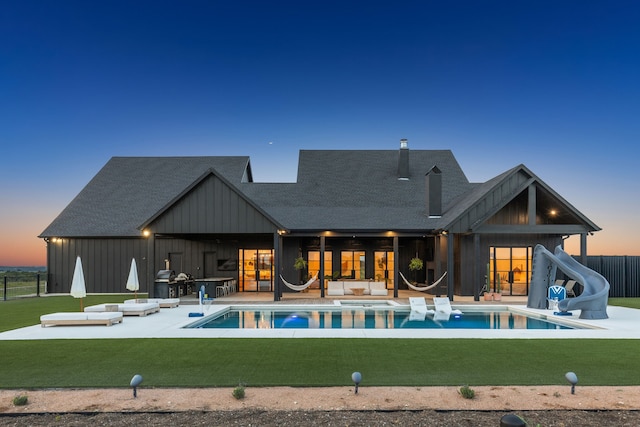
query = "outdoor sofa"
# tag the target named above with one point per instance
(80, 318)
(356, 287)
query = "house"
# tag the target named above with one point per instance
(358, 214)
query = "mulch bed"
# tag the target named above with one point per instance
(326, 418)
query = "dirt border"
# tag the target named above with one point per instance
(487, 398)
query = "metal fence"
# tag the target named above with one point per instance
(622, 272)
(21, 285)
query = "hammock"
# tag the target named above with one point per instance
(422, 288)
(300, 287)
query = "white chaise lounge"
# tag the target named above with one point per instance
(79, 318)
(443, 305)
(419, 305)
(140, 309)
(163, 302)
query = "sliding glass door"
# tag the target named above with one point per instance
(510, 269)
(256, 270)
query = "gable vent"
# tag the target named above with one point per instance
(403, 160)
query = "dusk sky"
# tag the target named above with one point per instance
(554, 85)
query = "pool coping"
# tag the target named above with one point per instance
(169, 322)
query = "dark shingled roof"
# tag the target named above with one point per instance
(359, 190)
(129, 190)
(339, 190)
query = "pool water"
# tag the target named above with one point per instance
(358, 318)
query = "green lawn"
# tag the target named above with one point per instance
(301, 362)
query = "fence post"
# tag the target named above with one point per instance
(5, 288)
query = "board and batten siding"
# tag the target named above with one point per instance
(105, 261)
(491, 203)
(213, 207)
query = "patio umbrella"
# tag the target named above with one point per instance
(78, 288)
(133, 284)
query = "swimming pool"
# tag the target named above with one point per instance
(369, 318)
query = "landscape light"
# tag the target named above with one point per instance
(356, 377)
(135, 382)
(573, 379)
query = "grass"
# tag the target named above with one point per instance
(301, 362)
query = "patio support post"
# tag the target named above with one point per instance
(450, 266)
(476, 267)
(395, 272)
(583, 249)
(277, 250)
(151, 264)
(321, 273)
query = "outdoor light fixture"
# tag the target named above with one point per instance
(573, 379)
(356, 377)
(135, 382)
(146, 233)
(553, 212)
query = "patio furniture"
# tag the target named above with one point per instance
(140, 309)
(569, 288)
(422, 288)
(419, 305)
(81, 318)
(350, 287)
(443, 305)
(163, 302)
(299, 288)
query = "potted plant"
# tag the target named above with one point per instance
(414, 265)
(300, 264)
(488, 295)
(497, 294)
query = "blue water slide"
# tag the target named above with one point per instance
(595, 293)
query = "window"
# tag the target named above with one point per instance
(352, 264)
(510, 269)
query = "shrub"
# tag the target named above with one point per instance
(238, 392)
(20, 400)
(467, 392)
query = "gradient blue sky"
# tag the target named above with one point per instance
(551, 84)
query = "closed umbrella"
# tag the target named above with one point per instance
(133, 284)
(78, 288)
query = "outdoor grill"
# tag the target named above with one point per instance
(168, 285)
(161, 286)
(166, 276)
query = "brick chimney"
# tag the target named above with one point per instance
(433, 196)
(403, 161)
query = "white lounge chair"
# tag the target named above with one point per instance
(443, 305)
(419, 305)
(163, 302)
(80, 318)
(140, 309)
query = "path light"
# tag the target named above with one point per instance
(573, 379)
(135, 382)
(356, 377)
